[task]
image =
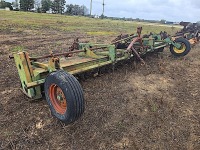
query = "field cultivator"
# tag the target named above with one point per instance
(140, 45)
(190, 31)
(54, 75)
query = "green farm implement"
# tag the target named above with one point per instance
(190, 31)
(54, 74)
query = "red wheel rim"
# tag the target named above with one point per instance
(58, 99)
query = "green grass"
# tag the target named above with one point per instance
(17, 49)
(20, 21)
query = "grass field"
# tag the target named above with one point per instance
(151, 107)
(20, 21)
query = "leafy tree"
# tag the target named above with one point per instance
(46, 5)
(58, 6)
(83, 10)
(4, 4)
(162, 21)
(69, 10)
(76, 10)
(26, 5)
(15, 4)
(38, 6)
(102, 17)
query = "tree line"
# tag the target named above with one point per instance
(51, 6)
(4, 4)
(55, 6)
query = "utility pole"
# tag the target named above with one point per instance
(91, 8)
(103, 8)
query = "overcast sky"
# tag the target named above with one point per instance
(171, 10)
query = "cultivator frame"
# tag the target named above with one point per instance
(33, 73)
(36, 76)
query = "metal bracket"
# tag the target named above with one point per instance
(54, 64)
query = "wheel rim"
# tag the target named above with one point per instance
(181, 50)
(58, 99)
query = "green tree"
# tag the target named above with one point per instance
(58, 6)
(69, 10)
(38, 6)
(4, 4)
(76, 10)
(26, 5)
(15, 4)
(162, 21)
(46, 5)
(82, 10)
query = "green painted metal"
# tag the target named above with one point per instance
(25, 76)
(36, 83)
(149, 42)
(157, 37)
(33, 73)
(85, 61)
(170, 41)
(112, 53)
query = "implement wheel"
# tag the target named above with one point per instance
(184, 50)
(64, 96)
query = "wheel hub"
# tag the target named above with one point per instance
(181, 50)
(58, 99)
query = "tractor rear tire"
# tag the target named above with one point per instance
(64, 96)
(184, 50)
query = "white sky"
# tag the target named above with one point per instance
(171, 10)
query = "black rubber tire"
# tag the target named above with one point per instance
(72, 91)
(181, 41)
